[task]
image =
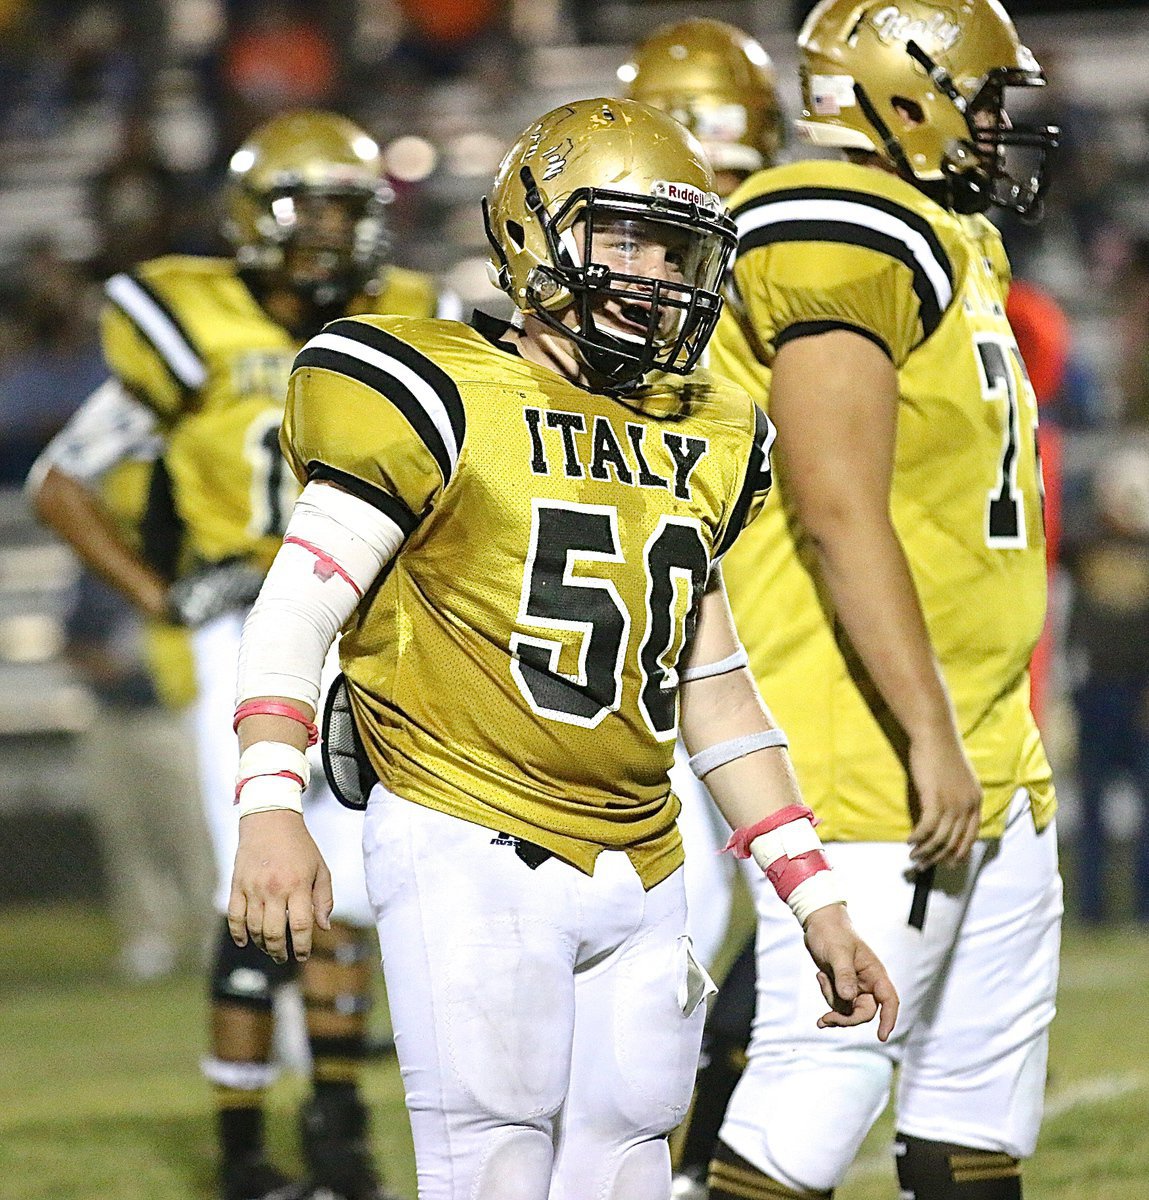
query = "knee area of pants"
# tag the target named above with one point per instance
(516, 1166)
(643, 1172)
(733, 1177)
(947, 1171)
(245, 975)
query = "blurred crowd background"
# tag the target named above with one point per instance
(117, 120)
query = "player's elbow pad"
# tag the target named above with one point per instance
(333, 550)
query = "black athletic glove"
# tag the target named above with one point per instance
(212, 591)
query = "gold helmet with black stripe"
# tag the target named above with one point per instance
(612, 173)
(718, 82)
(304, 207)
(923, 85)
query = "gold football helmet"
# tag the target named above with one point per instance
(923, 86)
(576, 200)
(304, 207)
(719, 83)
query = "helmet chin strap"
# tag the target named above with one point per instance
(315, 308)
(606, 365)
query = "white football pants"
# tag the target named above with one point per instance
(709, 874)
(337, 830)
(977, 985)
(547, 1022)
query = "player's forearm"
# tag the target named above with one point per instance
(69, 508)
(751, 780)
(869, 580)
(727, 709)
(334, 549)
(270, 727)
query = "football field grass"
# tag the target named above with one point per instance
(101, 1098)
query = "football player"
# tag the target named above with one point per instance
(201, 350)
(718, 82)
(517, 527)
(890, 602)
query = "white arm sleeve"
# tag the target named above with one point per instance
(334, 547)
(110, 427)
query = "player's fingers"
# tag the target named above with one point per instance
(322, 897)
(862, 1010)
(927, 852)
(951, 854)
(969, 836)
(888, 1003)
(926, 825)
(886, 995)
(301, 919)
(826, 986)
(274, 930)
(237, 917)
(254, 920)
(843, 977)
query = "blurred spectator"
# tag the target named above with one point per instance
(1109, 657)
(89, 54)
(452, 38)
(17, 48)
(276, 56)
(1133, 335)
(134, 201)
(56, 359)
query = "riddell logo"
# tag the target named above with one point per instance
(684, 193)
(893, 25)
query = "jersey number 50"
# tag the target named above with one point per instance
(553, 596)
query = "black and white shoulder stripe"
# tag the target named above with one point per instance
(759, 479)
(823, 214)
(143, 306)
(420, 389)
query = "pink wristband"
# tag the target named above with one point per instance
(740, 839)
(269, 775)
(272, 708)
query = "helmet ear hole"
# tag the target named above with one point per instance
(517, 234)
(909, 110)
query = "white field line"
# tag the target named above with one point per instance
(1081, 1094)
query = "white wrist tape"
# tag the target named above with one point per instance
(819, 891)
(722, 667)
(722, 753)
(271, 775)
(335, 546)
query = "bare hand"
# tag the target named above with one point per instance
(279, 882)
(949, 796)
(851, 976)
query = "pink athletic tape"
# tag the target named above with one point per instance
(325, 565)
(266, 775)
(786, 873)
(740, 839)
(272, 708)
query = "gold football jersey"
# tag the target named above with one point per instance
(825, 245)
(188, 338)
(167, 647)
(517, 666)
